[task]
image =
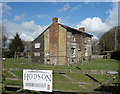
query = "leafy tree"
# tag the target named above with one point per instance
(107, 41)
(4, 38)
(16, 45)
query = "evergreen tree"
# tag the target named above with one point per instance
(16, 45)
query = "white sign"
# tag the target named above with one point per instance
(38, 80)
(37, 45)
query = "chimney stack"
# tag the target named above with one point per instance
(55, 20)
(82, 29)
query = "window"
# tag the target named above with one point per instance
(86, 39)
(36, 54)
(73, 38)
(88, 47)
(37, 45)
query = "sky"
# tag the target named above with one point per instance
(29, 19)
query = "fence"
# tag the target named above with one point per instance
(74, 78)
(22, 57)
(61, 78)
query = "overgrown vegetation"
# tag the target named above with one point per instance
(107, 41)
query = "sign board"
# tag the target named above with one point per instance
(73, 54)
(38, 80)
(86, 54)
(47, 53)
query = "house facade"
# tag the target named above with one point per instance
(61, 45)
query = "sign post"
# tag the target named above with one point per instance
(38, 80)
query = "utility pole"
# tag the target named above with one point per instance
(116, 39)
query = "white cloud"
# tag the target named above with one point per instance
(5, 9)
(27, 30)
(76, 8)
(94, 25)
(65, 8)
(112, 20)
(40, 16)
(62, 21)
(17, 18)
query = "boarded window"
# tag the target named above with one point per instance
(36, 54)
(37, 45)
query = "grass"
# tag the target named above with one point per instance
(97, 64)
(58, 77)
(80, 77)
(59, 81)
(12, 63)
(19, 74)
(84, 78)
(100, 64)
(101, 78)
(11, 82)
(8, 75)
(67, 86)
(116, 81)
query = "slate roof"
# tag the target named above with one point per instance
(68, 28)
(73, 29)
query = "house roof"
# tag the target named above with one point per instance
(68, 28)
(73, 29)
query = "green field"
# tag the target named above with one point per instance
(97, 64)
(67, 81)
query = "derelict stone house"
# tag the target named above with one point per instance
(61, 45)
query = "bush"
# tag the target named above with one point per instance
(115, 55)
(6, 54)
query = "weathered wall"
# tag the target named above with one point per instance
(62, 46)
(77, 44)
(46, 46)
(68, 47)
(59, 42)
(78, 41)
(88, 47)
(39, 39)
(54, 43)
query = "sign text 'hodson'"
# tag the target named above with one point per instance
(39, 80)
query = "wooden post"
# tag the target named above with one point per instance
(108, 55)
